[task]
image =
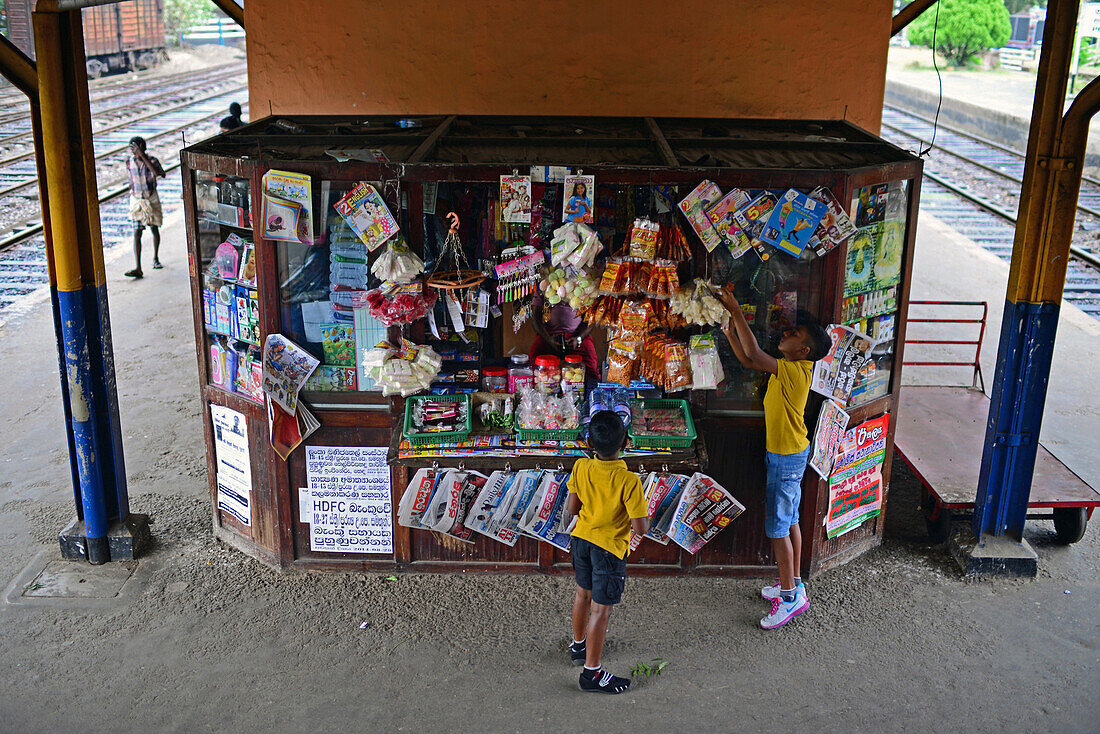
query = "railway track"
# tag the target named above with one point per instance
(23, 268)
(16, 125)
(973, 184)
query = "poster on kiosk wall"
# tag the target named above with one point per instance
(855, 486)
(348, 499)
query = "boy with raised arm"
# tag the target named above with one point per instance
(786, 443)
(608, 501)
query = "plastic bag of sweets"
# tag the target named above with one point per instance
(706, 365)
(620, 367)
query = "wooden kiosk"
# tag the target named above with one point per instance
(423, 167)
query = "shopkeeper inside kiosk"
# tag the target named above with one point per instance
(561, 331)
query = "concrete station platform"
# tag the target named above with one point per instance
(199, 637)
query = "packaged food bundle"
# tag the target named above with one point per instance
(677, 367)
(672, 245)
(658, 421)
(577, 289)
(643, 239)
(403, 369)
(662, 281)
(635, 316)
(537, 411)
(575, 244)
(620, 366)
(398, 264)
(706, 365)
(699, 305)
(497, 412)
(604, 311)
(665, 318)
(434, 416)
(665, 363)
(399, 307)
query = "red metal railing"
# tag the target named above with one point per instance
(977, 344)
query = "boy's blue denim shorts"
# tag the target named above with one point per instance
(783, 493)
(598, 571)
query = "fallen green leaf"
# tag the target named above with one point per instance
(391, 578)
(33, 586)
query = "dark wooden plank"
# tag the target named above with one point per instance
(941, 433)
(430, 142)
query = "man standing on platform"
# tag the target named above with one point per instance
(145, 211)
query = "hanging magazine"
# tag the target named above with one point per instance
(836, 226)
(482, 516)
(287, 207)
(834, 375)
(704, 510)
(793, 221)
(456, 499)
(832, 423)
(543, 518)
(367, 215)
(415, 498)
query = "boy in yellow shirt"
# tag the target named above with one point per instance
(608, 501)
(787, 446)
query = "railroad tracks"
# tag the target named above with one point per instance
(128, 102)
(162, 119)
(973, 184)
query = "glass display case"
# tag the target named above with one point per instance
(230, 299)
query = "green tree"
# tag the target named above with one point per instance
(965, 28)
(180, 15)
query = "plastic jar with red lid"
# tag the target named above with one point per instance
(494, 379)
(547, 374)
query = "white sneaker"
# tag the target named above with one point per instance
(772, 592)
(784, 611)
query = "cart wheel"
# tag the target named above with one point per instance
(1069, 523)
(937, 520)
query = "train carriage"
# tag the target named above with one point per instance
(117, 37)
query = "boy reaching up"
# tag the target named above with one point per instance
(608, 501)
(786, 443)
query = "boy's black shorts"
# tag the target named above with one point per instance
(598, 571)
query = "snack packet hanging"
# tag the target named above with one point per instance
(643, 239)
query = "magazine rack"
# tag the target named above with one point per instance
(439, 162)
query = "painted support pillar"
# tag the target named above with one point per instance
(1048, 203)
(78, 278)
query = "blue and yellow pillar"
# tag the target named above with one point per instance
(1044, 231)
(79, 286)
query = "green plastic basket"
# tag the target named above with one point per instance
(424, 439)
(548, 434)
(664, 442)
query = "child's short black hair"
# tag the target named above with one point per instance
(817, 340)
(139, 141)
(606, 432)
